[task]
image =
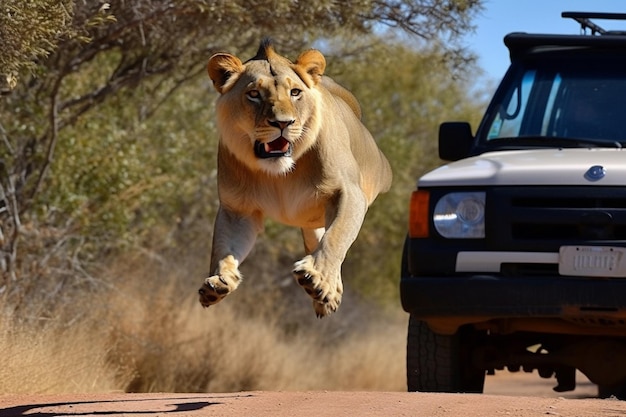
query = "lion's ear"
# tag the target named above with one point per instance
(313, 63)
(222, 68)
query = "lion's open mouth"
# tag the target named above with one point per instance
(274, 149)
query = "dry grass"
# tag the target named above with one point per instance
(144, 336)
(52, 359)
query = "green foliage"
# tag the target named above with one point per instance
(30, 30)
(128, 178)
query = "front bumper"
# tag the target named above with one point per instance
(507, 297)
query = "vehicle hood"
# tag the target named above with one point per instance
(533, 167)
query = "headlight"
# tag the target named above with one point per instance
(461, 215)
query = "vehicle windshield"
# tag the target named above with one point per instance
(561, 102)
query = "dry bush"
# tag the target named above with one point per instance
(225, 352)
(259, 338)
(147, 333)
(51, 358)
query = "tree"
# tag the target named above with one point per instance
(78, 57)
(30, 30)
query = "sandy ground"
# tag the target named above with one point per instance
(510, 395)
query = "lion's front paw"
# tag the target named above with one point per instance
(325, 289)
(216, 287)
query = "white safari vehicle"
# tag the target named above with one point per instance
(516, 251)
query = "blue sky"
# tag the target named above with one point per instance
(534, 16)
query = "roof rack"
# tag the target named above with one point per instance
(585, 23)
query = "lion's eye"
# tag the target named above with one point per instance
(295, 92)
(254, 95)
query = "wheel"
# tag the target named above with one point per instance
(441, 363)
(617, 391)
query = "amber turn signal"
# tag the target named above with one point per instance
(418, 214)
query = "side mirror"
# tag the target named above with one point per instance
(455, 140)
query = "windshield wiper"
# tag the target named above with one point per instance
(600, 143)
(552, 142)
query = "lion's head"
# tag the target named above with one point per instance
(268, 113)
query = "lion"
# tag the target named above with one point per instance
(292, 148)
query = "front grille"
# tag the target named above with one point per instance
(549, 202)
(544, 218)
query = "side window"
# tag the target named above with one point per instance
(508, 121)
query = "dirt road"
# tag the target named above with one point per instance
(511, 395)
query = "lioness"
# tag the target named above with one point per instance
(292, 148)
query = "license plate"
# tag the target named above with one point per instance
(593, 261)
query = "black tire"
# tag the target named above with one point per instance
(617, 391)
(441, 363)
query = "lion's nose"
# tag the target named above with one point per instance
(281, 124)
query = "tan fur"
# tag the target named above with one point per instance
(334, 171)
